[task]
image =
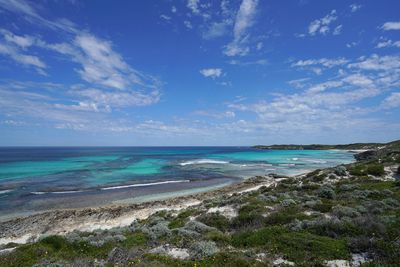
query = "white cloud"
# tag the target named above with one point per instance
(299, 83)
(243, 21)
(248, 63)
(21, 41)
(391, 25)
(117, 99)
(358, 80)
(30, 14)
(89, 109)
(377, 63)
(212, 72)
(22, 58)
(352, 44)
(325, 62)
(101, 65)
(112, 81)
(388, 43)
(392, 101)
(193, 5)
(324, 86)
(338, 30)
(174, 9)
(217, 29)
(165, 17)
(322, 25)
(188, 24)
(355, 7)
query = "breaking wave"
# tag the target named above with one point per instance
(203, 161)
(146, 184)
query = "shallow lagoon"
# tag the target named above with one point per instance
(36, 179)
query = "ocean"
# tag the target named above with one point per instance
(35, 179)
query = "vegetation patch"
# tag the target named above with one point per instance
(300, 247)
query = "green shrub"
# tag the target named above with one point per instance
(249, 216)
(375, 169)
(181, 219)
(226, 259)
(203, 249)
(284, 216)
(319, 178)
(313, 173)
(324, 206)
(215, 220)
(218, 237)
(300, 247)
(54, 241)
(134, 240)
(357, 170)
(326, 192)
(335, 229)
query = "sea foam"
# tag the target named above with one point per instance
(57, 192)
(146, 184)
(203, 161)
(5, 191)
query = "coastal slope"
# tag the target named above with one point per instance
(348, 215)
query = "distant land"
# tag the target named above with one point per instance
(354, 146)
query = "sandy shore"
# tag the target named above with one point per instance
(30, 228)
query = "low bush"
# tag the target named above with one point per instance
(203, 249)
(343, 211)
(215, 220)
(284, 216)
(288, 202)
(300, 247)
(375, 169)
(218, 237)
(249, 216)
(158, 230)
(54, 241)
(326, 192)
(181, 219)
(134, 240)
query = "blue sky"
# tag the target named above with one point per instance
(199, 72)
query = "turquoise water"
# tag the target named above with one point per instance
(34, 179)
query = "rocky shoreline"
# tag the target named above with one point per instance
(29, 228)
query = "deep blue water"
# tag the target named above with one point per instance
(35, 179)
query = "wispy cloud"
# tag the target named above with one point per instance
(355, 7)
(212, 72)
(387, 43)
(322, 26)
(244, 20)
(110, 84)
(21, 57)
(193, 5)
(318, 65)
(21, 41)
(100, 65)
(391, 25)
(377, 63)
(392, 101)
(29, 13)
(248, 63)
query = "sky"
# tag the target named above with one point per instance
(198, 72)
